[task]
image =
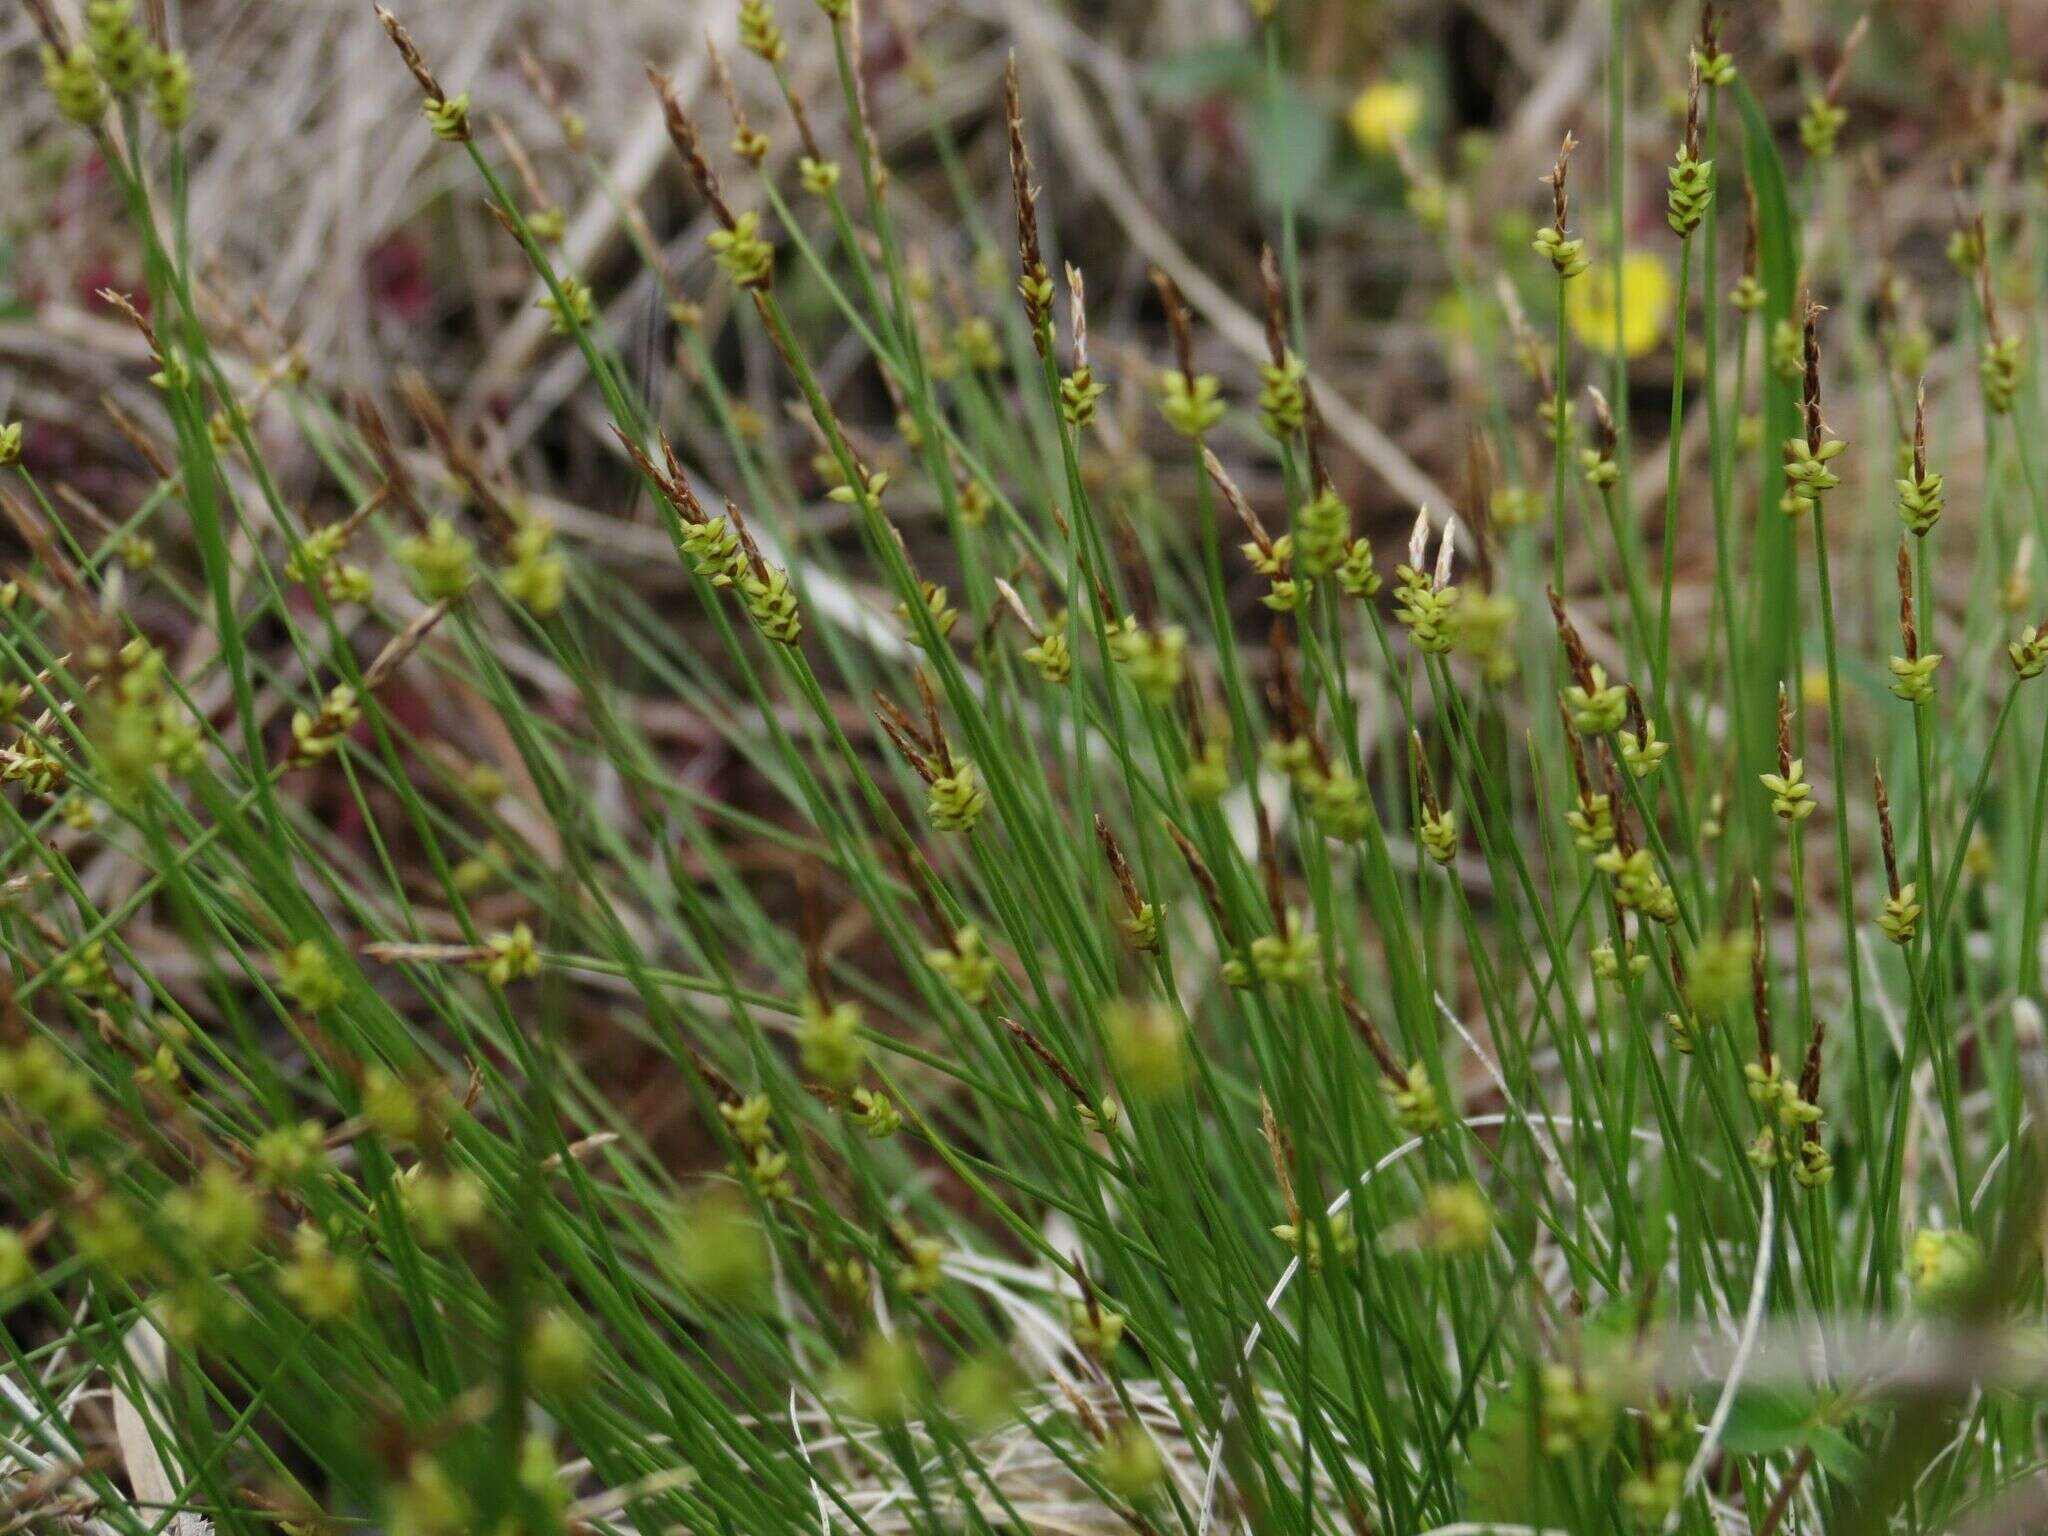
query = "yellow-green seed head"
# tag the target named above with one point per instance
(440, 562)
(1191, 407)
(829, 1042)
(955, 801)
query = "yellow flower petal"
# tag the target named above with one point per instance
(1384, 113)
(1646, 301)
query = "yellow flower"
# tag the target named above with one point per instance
(1813, 687)
(1384, 113)
(1646, 299)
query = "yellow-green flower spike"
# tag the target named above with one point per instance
(508, 956)
(829, 1042)
(1913, 680)
(741, 253)
(1791, 796)
(966, 966)
(1413, 1100)
(1283, 403)
(877, 1118)
(448, 117)
(121, 50)
(1691, 194)
(771, 603)
(170, 89)
(1191, 407)
(760, 33)
(573, 311)
(1999, 369)
(1568, 256)
(955, 801)
(1900, 919)
(1153, 659)
(1323, 533)
(440, 561)
(310, 978)
(75, 85)
(1820, 125)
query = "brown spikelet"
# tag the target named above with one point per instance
(1986, 292)
(46, 22)
(1606, 435)
(539, 81)
(1269, 862)
(1025, 195)
(1030, 259)
(1238, 504)
(37, 536)
(1276, 307)
(904, 736)
(522, 164)
(1077, 308)
(1177, 321)
(1312, 428)
(1638, 721)
(1136, 569)
(1909, 631)
(125, 307)
(1576, 658)
(1205, 882)
(1850, 44)
(1759, 984)
(679, 484)
(1784, 732)
(1560, 199)
(1920, 432)
(648, 472)
(461, 461)
(1576, 749)
(1292, 716)
(802, 119)
(404, 643)
(1692, 112)
(1624, 835)
(1015, 605)
(738, 523)
(1749, 235)
(1281, 1149)
(912, 870)
(1043, 1052)
(1810, 402)
(1884, 829)
(505, 220)
(1480, 473)
(721, 76)
(410, 53)
(1425, 786)
(1119, 866)
(940, 749)
(138, 439)
(1369, 1032)
(1809, 1071)
(682, 133)
(1677, 969)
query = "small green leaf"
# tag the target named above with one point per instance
(1836, 1454)
(1227, 69)
(1290, 144)
(1768, 1419)
(1509, 1480)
